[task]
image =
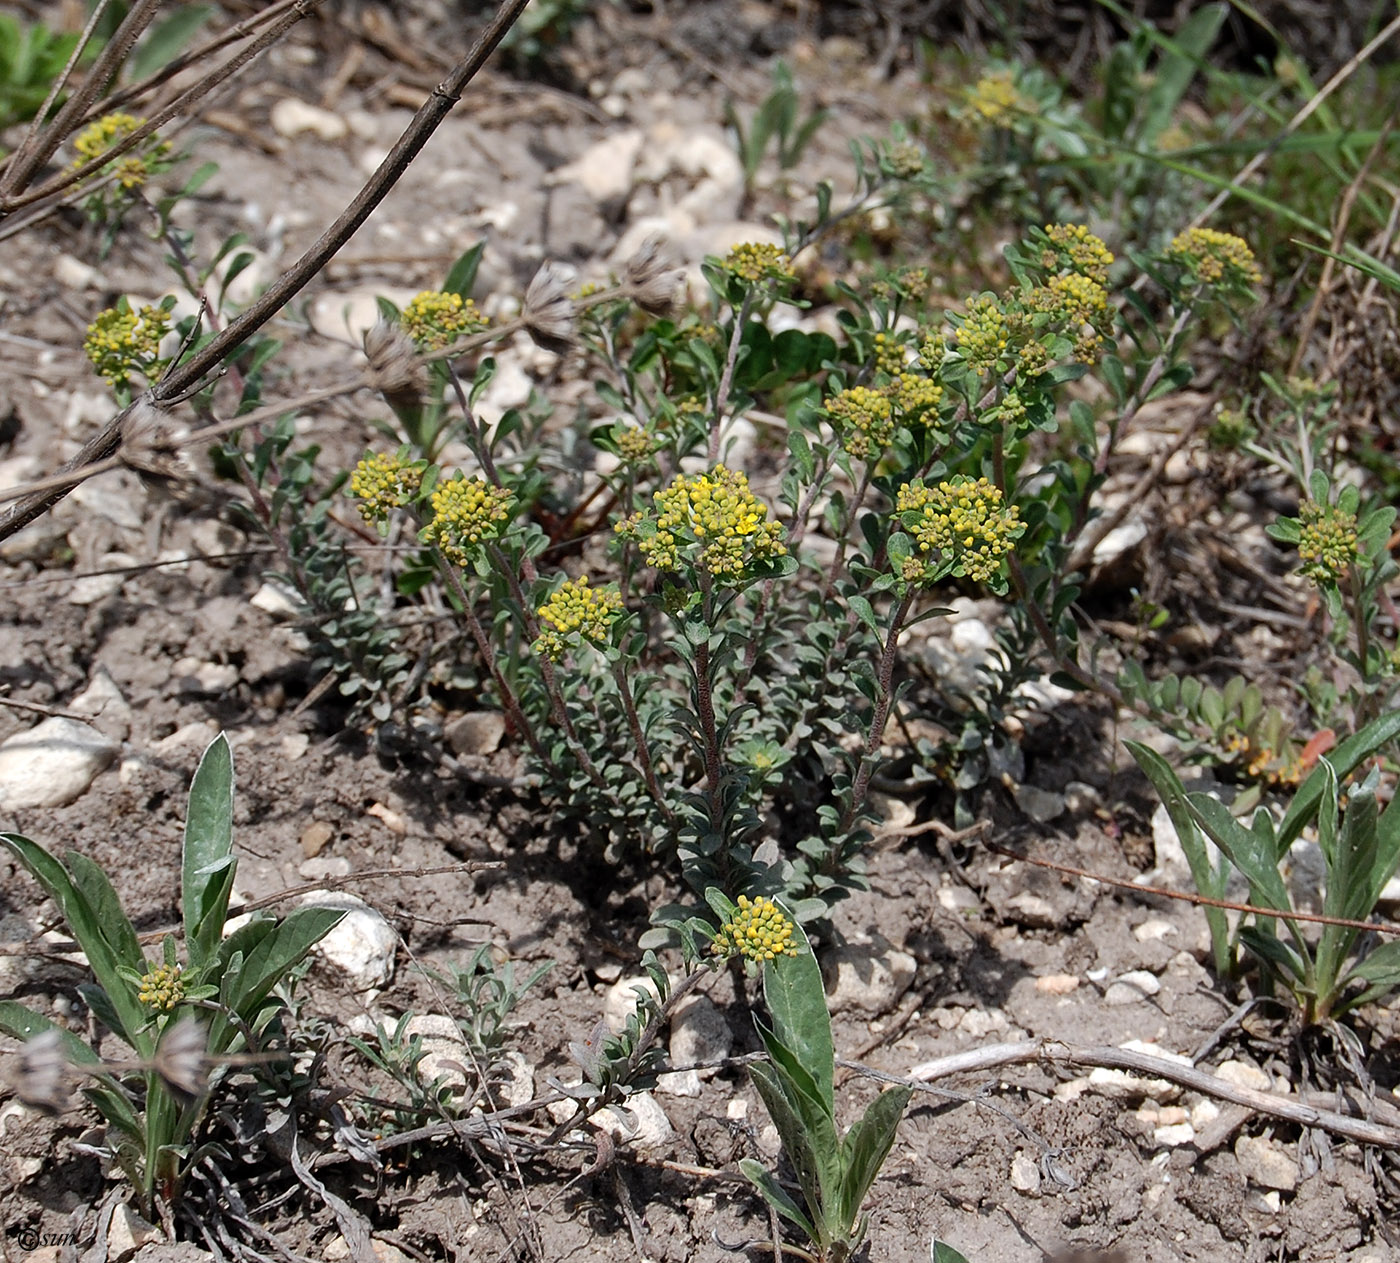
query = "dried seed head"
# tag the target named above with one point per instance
(549, 311)
(151, 442)
(653, 278)
(182, 1059)
(43, 1077)
(393, 365)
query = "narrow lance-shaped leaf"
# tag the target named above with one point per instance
(207, 869)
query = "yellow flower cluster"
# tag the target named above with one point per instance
(758, 931)
(754, 261)
(466, 513)
(709, 520)
(121, 342)
(1215, 257)
(1262, 764)
(132, 169)
(912, 394)
(161, 988)
(864, 420)
(888, 354)
(435, 319)
(984, 333)
(995, 96)
(1080, 250)
(1327, 541)
(1077, 298)
(574, 608)
(634, 443)
(961, 520)
(383, 482)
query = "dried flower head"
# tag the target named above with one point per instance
(576, 612)
(755, 261)
(133, 168)
(864, 420)
(435, 319)
(43, 1075)
(652, 278)
(122, 342)
(1215, 257)
(758, 930)
(182, 1058)
(549, 312)
(383, 482)
(466, 513)
(151, 442)
(1327, 541)
(961, 526)
(711, 521)
(161, 988)
(393, 360)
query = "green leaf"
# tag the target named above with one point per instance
(267, 963)
(796, 999)
(112, 920)
(775, 1195)
(942, 1253)
(1381, 969)
(810, 1142)
(208, 863)
(462, 275)
(1344, 759)
(167, 40)
(866, 1146)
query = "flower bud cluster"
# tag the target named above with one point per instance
(132, 169)
(466, 513)
(959, 520)
(1327, 541)
(864, 420)
(575, 609)
(383, 482)
(1215, 257)
(121, 342)
(888, 355)
(161, 989)
(708, 520)
(1076, 248)
(634, 443)
(905, 160)
(756, 261)
(435, 319)
(995, 97)
(758, 931)
(912, 394)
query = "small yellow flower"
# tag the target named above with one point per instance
(756, 261)
(1215, 257)
(134, 167)
(996, 99)
(161, 988)
(383, 482)
(758, 931)
(864, 420)
(574, 608)
(1327, 541)
(958, 520)
(121, 342)
(984, 335)
(436, 318)
(466, 513)
(1080, 250)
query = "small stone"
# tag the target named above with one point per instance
(393, 821)
(620, 1001)
(1057, 984)
(120, 499)
(1041, 805)
(476, 732)
(1144, 981)
(127, 1233)
(195, 736)
(512, 1079)
(1032, 910)
(1153, 930)
(295, 745)
(699, 1033)
(604, 170)
(324, 866)
(211, 678)
(1172, 1135)
(314, 838)
(647, 1128)
(868, 976)
(290, 117)
(1204, 1113)
(278, 600)
(1119, 542)
(1264, 1163)
(363, 945)
(92, 588)
(445, 1058)
(1025, 1175)
(1081, 798)
(75, 274)
(1121, 1085)
(979, 1023)
(1242, 1075)
(52, 764)
(102, 701)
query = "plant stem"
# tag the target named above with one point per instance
(727, 377)
(634, 723)
(838, 560)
